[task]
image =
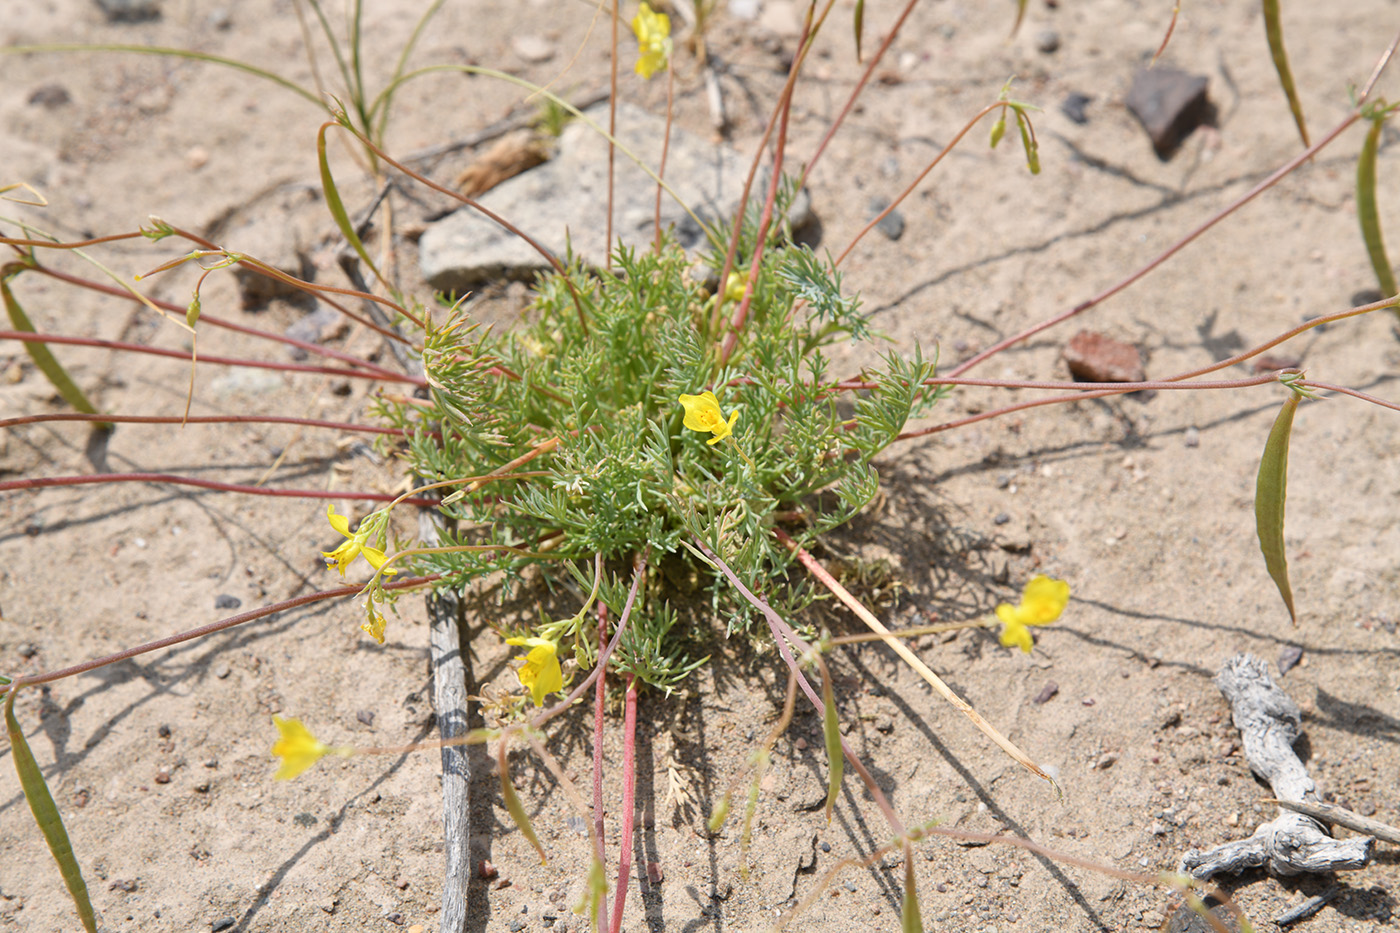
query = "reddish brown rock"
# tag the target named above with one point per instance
(1093, 357)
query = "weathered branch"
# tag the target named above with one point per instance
(1291, 844)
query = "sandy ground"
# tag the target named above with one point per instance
(160, 764)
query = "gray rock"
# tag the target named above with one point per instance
(49, 96)
(892, 224)
(1047, 41)
(561, 203)
(1169, 103)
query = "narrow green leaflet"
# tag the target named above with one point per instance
(859, 25)
(1273, 28)
(36, 791)
(911, 919)
(1269, 493)
(336, 206)
(515, 808)
(831, 725)
(1366, 211)
(41, 355)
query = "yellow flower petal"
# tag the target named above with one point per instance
(541, 673)
(340, 523)
(297, 748)
(1016, 635)
(342, 556)
(377, 558)
(653, 31)
(1042, 601)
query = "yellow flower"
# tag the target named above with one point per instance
(541, 673)
(654, 39)
(1042, 601)
(297, 748)
(702, 413)
(342, 556)
(735, 287)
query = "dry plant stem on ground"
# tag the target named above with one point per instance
(1292, 843)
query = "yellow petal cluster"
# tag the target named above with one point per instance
(297, 748)
(540, 674)
(702, 413)
(1042, 601)
(653, 40)
(342, 556)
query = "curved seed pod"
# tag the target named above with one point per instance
(1273, 28)
(1270, 490)
(36, 791)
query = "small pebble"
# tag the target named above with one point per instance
(1106, 761)
(221, 671)
(486, 870)
(517, 925)
(1073, 107)
(49, 96)
(892, 224)
(1288, 658)
(655, 874)
(227, 601)
(223, 923)
(163, 731)
(163, 775)
(532, 48)
(1002, 518)
(365, 716)
(1192, 437)
(202, 787)
(28, 650)
(1046, 693)
(394, 917)
(1088, 701)
(1047, 41)
(800, 744)
(121, 885)
(212, 763)
(826, 847)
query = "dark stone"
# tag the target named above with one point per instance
(1073, 107)
(1094, 357)
(131, 11)
(1046, 693)
(1169, 103)
(227, 601)
(1288, 658)
(1002, 518)
(49, 96)
(223, 923)
(1047, 41)
(365, 716)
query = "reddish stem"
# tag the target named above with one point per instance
(1169, 252)
(629, 800)
(44, 482)
(201, 419)
(215, 321)
(602, 673)
(29, 337)
(211, 628)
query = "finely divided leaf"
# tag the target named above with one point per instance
(1270, 490)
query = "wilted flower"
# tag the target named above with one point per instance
(1042, 601)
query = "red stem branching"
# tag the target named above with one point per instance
(240, 619)
(46, 482)
(382, 375)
